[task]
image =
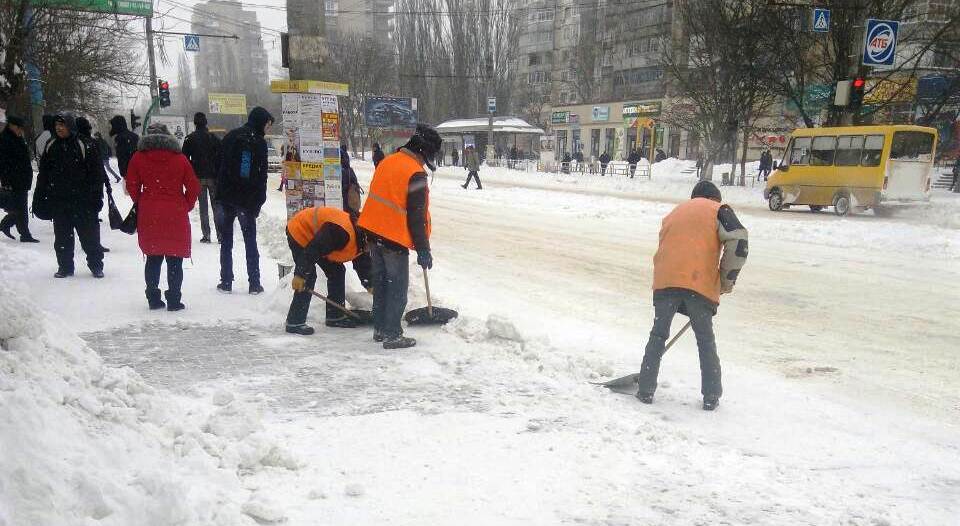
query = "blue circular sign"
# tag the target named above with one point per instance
(881, 43)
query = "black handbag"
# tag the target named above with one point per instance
(41, 208)
(129, 225)
(116, 220)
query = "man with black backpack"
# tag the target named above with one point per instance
(241, 192)
(125, 142)
(203, 150)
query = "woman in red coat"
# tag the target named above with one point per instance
(162, 184)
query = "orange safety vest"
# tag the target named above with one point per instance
(689, 253)
(385, 211)
(305, 224)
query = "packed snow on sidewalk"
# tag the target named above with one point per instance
(85, 443)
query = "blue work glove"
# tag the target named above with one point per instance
(424, 259)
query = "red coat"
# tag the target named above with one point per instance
(161, 182)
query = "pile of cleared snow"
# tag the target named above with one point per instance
(81, 442)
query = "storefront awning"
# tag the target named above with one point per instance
(481, 124)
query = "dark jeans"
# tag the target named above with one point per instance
(764, 174)
(633, 170)
(473, 175)
(225, 217)
(18, 215)
(206, 194)
(151, 274)
(336, 288)
(956, 182)
(88, 230)
(666, 304)
(390, 279)
(603, 169)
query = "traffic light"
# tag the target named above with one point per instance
(856, 93)
(164, 93)
(134, 121)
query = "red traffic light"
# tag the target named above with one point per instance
(164, 84)
(858, 83)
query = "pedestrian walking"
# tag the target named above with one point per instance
(70, 192)
(124, 141)
(202, 148)
(377, 154)
(660, 156)
(85, 134)
(324, 237)
(702, 248)
(604, 162)
(16, 176)
(632, 160)
(472, 163)
(455, 157)
(162, 184)
(241, 192)
(766, 164)
(956, 176)
(396, 217)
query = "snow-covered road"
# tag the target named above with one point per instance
(839, 349)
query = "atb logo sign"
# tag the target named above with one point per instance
(880, 42)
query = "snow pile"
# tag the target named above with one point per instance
(81, 442)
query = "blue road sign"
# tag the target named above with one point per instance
(491, 104)
(821, 20)
(191, 42)
(880, 42)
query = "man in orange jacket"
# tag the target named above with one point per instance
(324, 237)
(396, 217)
(689, 274)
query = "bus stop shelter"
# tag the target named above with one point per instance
(507, 132)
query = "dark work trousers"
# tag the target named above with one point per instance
(151, 274)
(88, 230)
(206, 194)
(225, 217)
(473, 174)
(18, 215)
(633, 170)
(336, 288)
(666, 304)
(390, 278)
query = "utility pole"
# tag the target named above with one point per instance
(152, 63)
(307, 30)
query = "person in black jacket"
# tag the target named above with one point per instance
(203, 150)
(124, 141)
(16, 174)
(604, 162)
(377, 154)
(70, 188)
(632, 160)
(241, 192)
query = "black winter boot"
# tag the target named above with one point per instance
(303, 329)
(173, 301)
(153, 299)
(710, 403)
(399, 342)
(343, 322)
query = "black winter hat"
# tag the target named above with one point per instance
(83, 126)
(19, 122)
(68, 120)
(199, 120)
(117, 124)
(426, 142)
(259, 117)
(706, 189)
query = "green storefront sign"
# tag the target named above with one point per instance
(119, 7)
(558, 117)
(641, 109)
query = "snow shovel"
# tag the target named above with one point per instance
(429, 315)
(362, 317)
(627, 384)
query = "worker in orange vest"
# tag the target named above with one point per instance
(396, 217)
(702, 248)
(325, 237)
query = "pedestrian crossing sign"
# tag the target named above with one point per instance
(821, 20)
(191, 42)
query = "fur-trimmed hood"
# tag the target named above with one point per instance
(158, 141)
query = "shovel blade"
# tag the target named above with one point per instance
(422, 316)
(624, 384)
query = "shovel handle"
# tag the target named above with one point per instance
(426, 285)
(677, 337)
(335, 304)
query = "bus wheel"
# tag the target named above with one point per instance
(816, 208)
(841, 205)
(775, 201)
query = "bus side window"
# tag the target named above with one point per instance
(800, 151)
(872, 150)
(824, 149)
(849, 150)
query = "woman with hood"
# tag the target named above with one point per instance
(162, 184)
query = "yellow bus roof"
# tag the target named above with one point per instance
(856, 130)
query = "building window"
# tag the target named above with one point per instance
(632, 77)
(541, 14)
(537, 77)
(533, 59)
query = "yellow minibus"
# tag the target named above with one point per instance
(854, 168)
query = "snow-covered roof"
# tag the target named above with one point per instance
(480, 124)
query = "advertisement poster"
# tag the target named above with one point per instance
(328, 103)
(331, 126)
(311, 146)
(227, 103)
(311, 171)
(331, 152)
(390, 112)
